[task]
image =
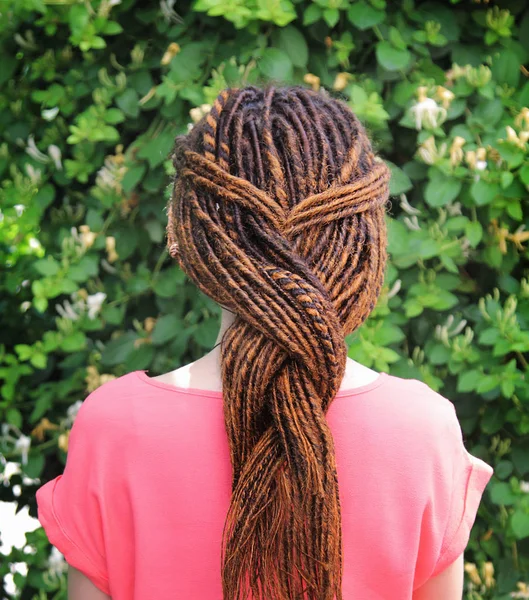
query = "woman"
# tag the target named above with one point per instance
(275, 464)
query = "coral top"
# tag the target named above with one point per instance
(142, 501)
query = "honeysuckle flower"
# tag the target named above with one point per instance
(56, 563)
(429, 153)
(518, 237)
(110, 246)
(44, 425)
(454, 209)
(34, 152)
(488, 574)
(456, 151)
(49, 114)
(501, 234)
(199, 111)
(34, 175)
(168, 11)
(395, 289)
(412, 223)
(71, 413)
(67, 310)
(55, 155)
(312, 80)
(515, 139)
(22, 445)
(476, 159)
(62, 441)
(472, 571)
(87, 237)
(426, 111)
(94, 304)
(172, 50)
(407, 207)
(445, 96)
(341, 80)
(523, 591)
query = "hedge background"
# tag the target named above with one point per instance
(92, 94)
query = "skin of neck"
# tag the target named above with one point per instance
(226, 320)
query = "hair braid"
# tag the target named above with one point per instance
(278, 214)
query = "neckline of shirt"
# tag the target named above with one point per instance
(142, 374)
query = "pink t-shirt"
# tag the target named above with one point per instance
(142, 501)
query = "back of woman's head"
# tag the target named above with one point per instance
(278, 214)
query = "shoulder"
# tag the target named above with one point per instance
(104, 412)
(424, 416)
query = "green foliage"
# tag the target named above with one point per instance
(92, 95)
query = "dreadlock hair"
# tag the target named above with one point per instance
(278, 214)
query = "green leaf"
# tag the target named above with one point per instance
(468, 380)
(293, 43)
(502, 494)
(506, 67)
(157, 149)
(399, 182)
(520, 524)
(483, 192)
(166, 328)
(364, 16)
(117, 351)
(133, 176)
(14, 417)
(441, 190)
(474, 232)
(47, 266)
(390, 58)
(331, 16)
(74, 342)
(140, 357)
(503, 469)
(311, 14)
(276, 64)
(168, 282)
(128, 101)
(35, 465)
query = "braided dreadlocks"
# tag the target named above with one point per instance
(278, 214)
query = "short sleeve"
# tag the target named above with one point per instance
(457, 481)
(71, 506)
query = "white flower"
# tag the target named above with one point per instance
(57, 564)
(481, 165)
(94, 303)
(412, 223)
(168, 12)
(407, 207)
(34, 152)
(19, 208)
(427, 112)
(395, 289)
(34, 243)
(34, 175)
(50, 113)
(55, 154)
(22, 445)
(72, 411)
(524, 486)
(67, 310)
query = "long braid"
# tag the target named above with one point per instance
(278, 214)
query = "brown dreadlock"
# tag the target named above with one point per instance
(278, 214)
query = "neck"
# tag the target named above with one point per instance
(227, 319)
